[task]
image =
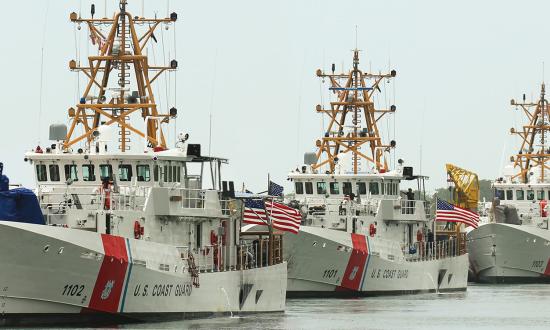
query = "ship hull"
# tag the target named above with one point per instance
(505, 253)
(59, 275)
(330, 263)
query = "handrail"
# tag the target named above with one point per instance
(421, 251)
(91, 201)
(215, 258)
(408, 206)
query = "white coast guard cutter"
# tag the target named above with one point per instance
(360, 235)
(514, 245)
(129, 235)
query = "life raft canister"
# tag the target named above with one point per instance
(372, 230)
(138, 230)
(543, 212)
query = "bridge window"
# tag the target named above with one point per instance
(143, 173)
(125, 172)
(177, 173)
(309, 188)
(88, 172)
(54, 173)
(41, 173)
(106, 172)
(530, 195)
(165, 174)
(389, 188)
(71, 172)
(346, 189)
(361, 188)
(299, 188)
(373, 188)
(321, 188)
(520, 195)
(500, 194)
(394, 188)
(510, 195)
(540, 195)
(334, 188)
(156, 173)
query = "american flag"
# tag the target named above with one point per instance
(452, 213)
(254, 212)
(274, 189)
(285, 218)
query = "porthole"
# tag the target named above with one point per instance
(60, 251)
(46, 248)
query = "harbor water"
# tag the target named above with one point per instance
(480, 307)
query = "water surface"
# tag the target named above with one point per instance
(481, 307)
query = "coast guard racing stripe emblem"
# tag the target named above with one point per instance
(110, 280)
(356, 264)
(547, 270)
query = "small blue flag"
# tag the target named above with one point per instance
(275, 189)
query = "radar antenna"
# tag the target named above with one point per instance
(346, 132)
(121, 53)
(533, 153)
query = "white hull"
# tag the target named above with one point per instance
(502, 253)
(324, 262)
(84, 275)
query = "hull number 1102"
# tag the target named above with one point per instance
(73, 290)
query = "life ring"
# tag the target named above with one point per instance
(372, 230)
(138, 230)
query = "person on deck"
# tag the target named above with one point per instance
(105, 192)
(410, 202)
(430, 242)
(420, 242)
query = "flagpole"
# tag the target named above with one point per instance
(435, 219)
(270, 246)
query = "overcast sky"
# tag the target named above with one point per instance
(252, 63)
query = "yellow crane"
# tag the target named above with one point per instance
(466, 192)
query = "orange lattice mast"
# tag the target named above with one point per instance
(121, 53)
(534, 151)
(347, 132)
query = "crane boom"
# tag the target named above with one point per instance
(466, 193)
